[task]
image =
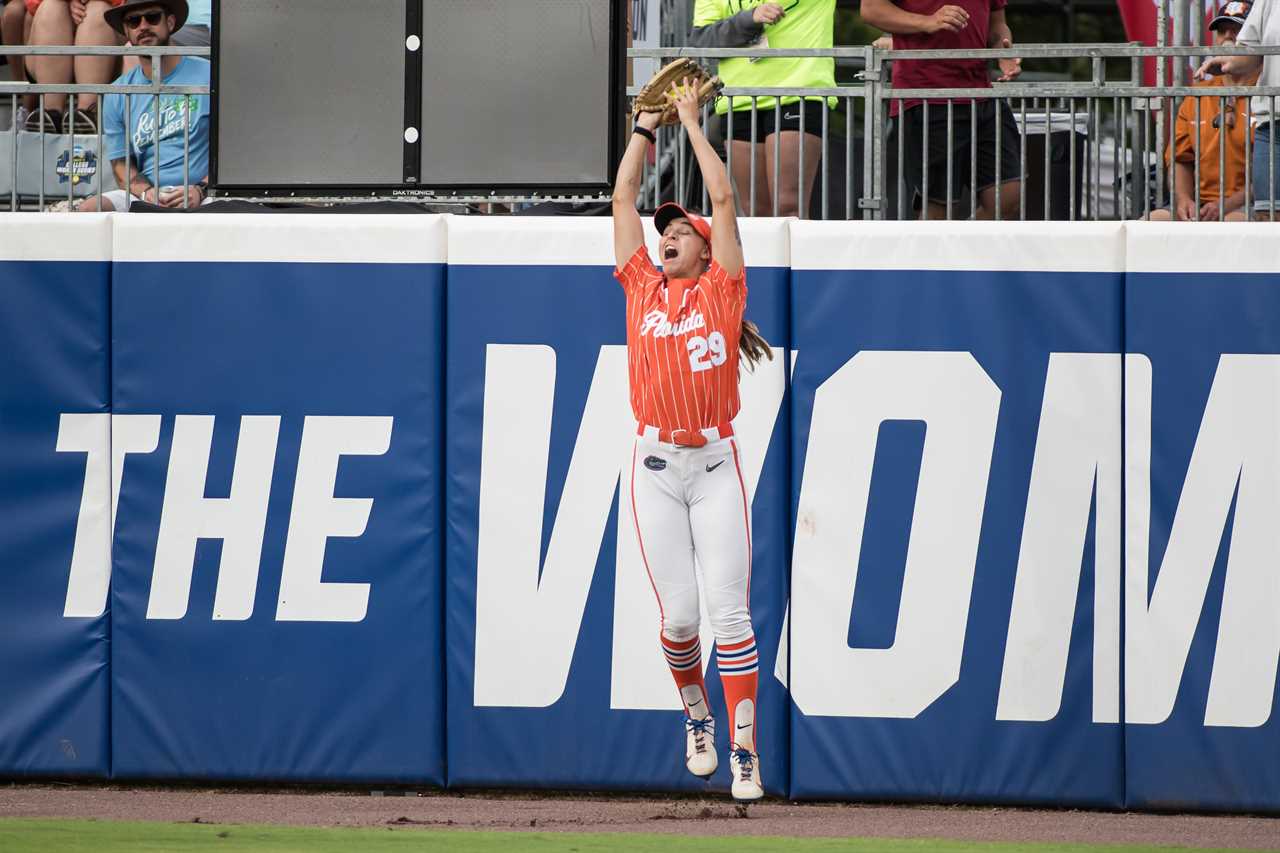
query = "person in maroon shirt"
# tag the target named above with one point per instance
(961, 24)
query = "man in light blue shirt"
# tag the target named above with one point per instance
(168, 166)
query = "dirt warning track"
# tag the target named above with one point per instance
(605, 813)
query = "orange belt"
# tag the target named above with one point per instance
(685, 437)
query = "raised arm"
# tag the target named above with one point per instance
(740, 29)
(726, 244)
(628, 232)
(886, 15)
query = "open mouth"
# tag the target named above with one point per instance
(669, 253)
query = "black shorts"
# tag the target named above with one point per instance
(963, 172)
(766, 119)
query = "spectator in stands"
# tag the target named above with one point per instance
(963, 24)
(1261, 26)
(196, 32)
(15, 25)
(1218, 193)
(150, 23)
(789, 23)
(70, 22)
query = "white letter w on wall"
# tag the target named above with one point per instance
(527, 620)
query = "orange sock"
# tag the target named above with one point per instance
(739, 673)
(685, 659)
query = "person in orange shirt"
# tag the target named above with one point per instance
(685, 330)
(1221, 192)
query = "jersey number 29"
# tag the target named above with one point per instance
(705, 353)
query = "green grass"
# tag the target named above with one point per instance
(56, 836)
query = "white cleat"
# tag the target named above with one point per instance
(700, 746)
(745, 767)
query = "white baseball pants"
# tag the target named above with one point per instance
(691, 503)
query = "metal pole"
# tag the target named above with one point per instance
(999, 114)
(825, 160)
(1048, 127)
(1095, 200)
(1022, 161)
(128, 149)
(1173, 154)
(873, 182)
(902, 181)
(1071, 181)
(951, 151)
(1162, 40)
(705, 206)
(924, 190)
(1222, 154)
(800, 187)
(71, 151)
(679, 190)
(103, 166)
(754, 152)
(156, 80)
(13, 190)
(1119, 162)
(1150, 132)
(1195, 152)
(1248, 160)
(849, 202)
(657, 166)
(1180, 38)
(973, 159)
(777, 149)
(43, 147)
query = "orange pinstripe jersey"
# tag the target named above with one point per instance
(682, 344)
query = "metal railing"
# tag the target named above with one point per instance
(77, 164)
(1100, 144)
(1085, 150)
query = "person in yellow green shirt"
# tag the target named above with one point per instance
(786, 23)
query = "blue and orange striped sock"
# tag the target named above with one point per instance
(684, 657)
(739, 673)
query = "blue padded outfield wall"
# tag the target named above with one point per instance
(54, 496)
(276, 574)
(957, 479)
(1202, 613)
(326, 498)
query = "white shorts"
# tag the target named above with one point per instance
(691, 504)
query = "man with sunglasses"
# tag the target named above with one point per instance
(183, 119)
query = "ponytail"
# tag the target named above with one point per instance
(752, 345)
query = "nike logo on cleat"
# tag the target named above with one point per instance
(711, 468)
(745, 726)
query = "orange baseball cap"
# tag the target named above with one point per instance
(666, 213)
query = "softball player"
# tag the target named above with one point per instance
(685, 330)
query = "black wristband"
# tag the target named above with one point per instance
(646, 133)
